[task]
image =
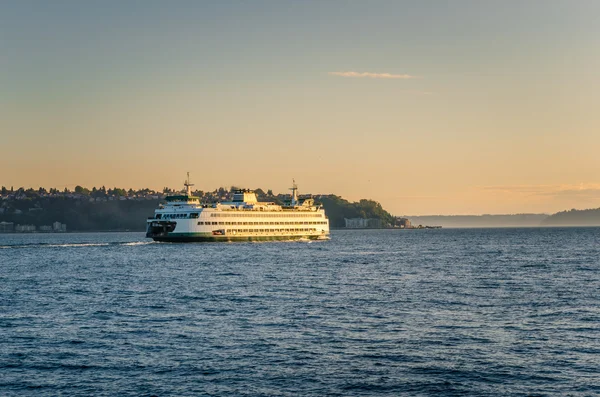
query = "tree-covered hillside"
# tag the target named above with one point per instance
(101, 209)
(82, 215)
(338, 208)
(574, 217)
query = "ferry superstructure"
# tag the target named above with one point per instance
(183, 218)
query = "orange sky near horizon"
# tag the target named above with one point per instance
(429, 109)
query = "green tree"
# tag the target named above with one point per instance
(82, 190)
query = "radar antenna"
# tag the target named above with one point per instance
(188, 185)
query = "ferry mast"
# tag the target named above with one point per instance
(188, 185)
(294, 190)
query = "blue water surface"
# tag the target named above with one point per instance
(369, 313)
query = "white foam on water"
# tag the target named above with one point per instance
(75, 245)
(71, 245)
(134, 243)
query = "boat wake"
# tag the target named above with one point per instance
(74, 245)
(136, 243)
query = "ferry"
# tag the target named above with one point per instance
(183, 218)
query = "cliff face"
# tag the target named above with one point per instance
(574, 217)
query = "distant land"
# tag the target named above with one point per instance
(515, 220)
(590, 217)
(116, 209)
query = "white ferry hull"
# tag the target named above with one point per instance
(189, 231)
(185, 219)
(200, 238)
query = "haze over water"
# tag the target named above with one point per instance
(379, 312)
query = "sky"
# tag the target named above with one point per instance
(429, 107)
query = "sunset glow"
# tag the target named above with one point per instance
(427, 107)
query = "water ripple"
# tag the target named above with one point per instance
(450, 312)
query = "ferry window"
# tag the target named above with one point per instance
(200, 223)
(158, 216)
(194, 215)
(221, 223)
(215, 223)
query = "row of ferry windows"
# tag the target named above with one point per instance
(262, 223)
(269, 230)
(196, 215)
(177, 216)
(264, 215)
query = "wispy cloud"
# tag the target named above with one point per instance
(373, 75)
(583, 190)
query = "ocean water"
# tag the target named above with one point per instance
(482, 312)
